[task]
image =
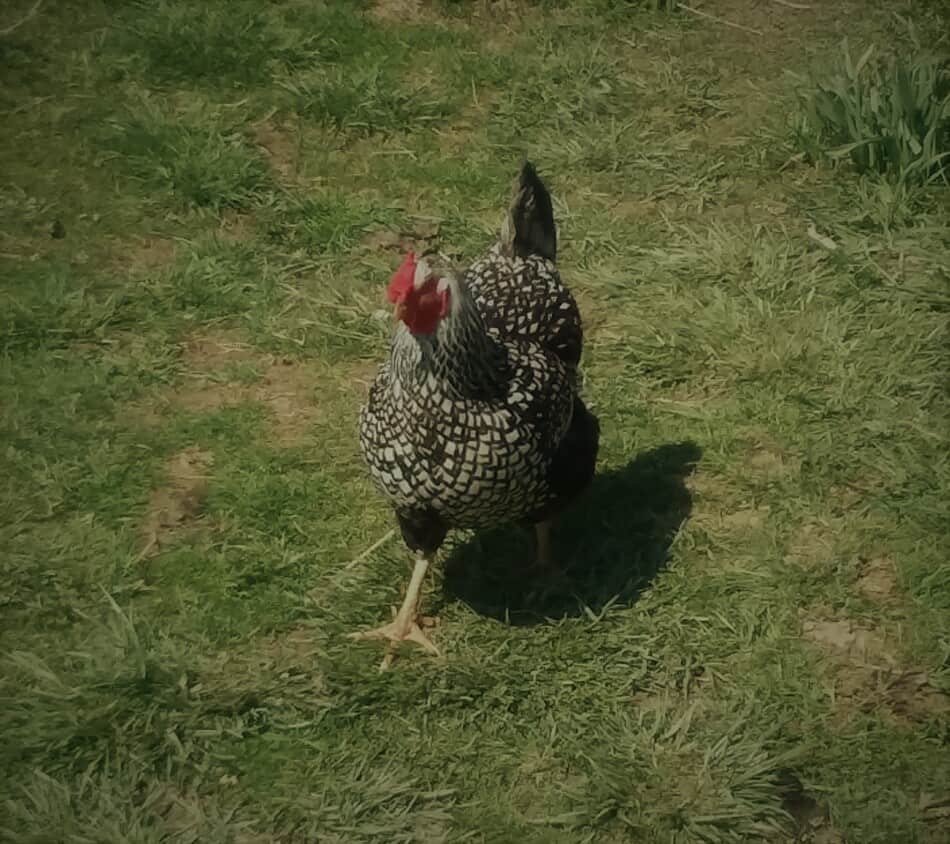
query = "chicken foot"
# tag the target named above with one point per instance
(404, 627)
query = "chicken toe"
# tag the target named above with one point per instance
(404, 627)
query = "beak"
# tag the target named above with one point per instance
(399, 311)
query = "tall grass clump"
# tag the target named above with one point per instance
(196, 157)
(890, 116)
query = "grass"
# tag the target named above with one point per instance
(889, 117)
(198, 214)
(200, 164)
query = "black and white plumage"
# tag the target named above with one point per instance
(475, 419)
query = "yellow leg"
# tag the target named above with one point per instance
(404, 627)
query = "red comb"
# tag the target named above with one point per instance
(401, 283)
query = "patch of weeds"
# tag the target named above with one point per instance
(124, 801)
(200, 161)
(276, 496)
(51, 304)
(52, 569)
(121, 672)
(228, 587)
(57, 460)
(177, 504)
(324, 224)
(462, 195)
(559, 88)
(365, 100)
(231, 43)
(726, 790)
(284, 388)
(373, 801)
(620, 11)
(23, 214)
(333, 319)
(887, 115)
(214, 278)
(467, 67)
(603, 9)
(376, 79)
(22, 61)
(886, 204)
(343, 33)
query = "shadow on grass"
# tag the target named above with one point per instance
(609, 544)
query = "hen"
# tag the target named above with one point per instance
(475, 418)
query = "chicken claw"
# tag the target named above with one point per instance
(396, 633)
(404, 627)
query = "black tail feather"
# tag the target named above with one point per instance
(531, 217)
(574, 462)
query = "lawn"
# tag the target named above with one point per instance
(200, 206)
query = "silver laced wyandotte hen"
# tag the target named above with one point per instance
(475, 418)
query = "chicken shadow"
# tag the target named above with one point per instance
(609, 545)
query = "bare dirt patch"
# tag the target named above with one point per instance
(878, 579)
(203, 397)
(868, 675)
(745, 520)
(281, 145)
(648, 208)
(420, 238)
(767, 460)
(286, 388)
(213, 350)
(404, 11)
(811, 544)
(177, 504)
(770, 462)
(147, 253)
(910, 696)
(457, 137)
(848, 641)
(721, 510)
(718, 508)
(235, 227)
(223, 370)
(706, 485)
